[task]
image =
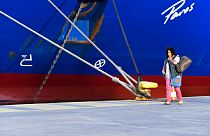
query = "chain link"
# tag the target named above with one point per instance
(58, 54)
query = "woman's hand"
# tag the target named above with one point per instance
(163, 72)
(172, 61)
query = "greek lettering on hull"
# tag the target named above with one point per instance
(24, 60)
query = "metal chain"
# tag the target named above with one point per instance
(58, 54)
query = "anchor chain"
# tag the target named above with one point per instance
(58, 54)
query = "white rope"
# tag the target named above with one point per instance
(91, 42)
(131, 78)
(67, 51)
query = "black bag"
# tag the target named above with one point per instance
(183, 64)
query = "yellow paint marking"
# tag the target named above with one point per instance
(3, 110)
(46, 107)
(74, 105)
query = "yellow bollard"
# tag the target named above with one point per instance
(145, 87)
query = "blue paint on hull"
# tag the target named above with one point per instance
(143, 23)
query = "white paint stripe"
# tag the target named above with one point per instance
(114, 103)
(148, 103)
(97, 104)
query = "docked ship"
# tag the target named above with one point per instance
(82, 50)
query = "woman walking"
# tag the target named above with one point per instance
(172, 76)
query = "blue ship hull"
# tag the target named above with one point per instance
(150, 26)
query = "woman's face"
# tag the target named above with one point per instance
(169, 54)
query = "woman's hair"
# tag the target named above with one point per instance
(172, 51)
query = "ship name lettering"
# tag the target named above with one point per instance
(174, 13)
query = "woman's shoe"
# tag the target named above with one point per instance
(180, 102)
(167, 103)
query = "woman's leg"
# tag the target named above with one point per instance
(178, 93)
(168, 90)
